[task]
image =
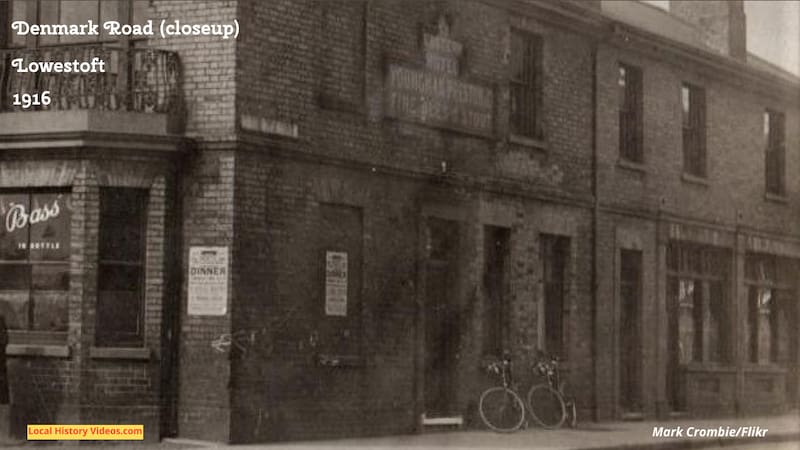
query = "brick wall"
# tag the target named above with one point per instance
(208, 64)
(348, 154)
(285, 84)
(203, 373)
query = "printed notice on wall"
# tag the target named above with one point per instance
(335, 283)
(208, 281)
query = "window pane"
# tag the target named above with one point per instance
(14, 277)
(121, 224)
(752, 324)
(49, 227)
(14, 229)
(119, 307)
(118, 314)
(50, 277)
(79, 12)
(50, 311)
(685, 105)
(119, 278)
(525, 65)
(14, 307)
(719, 326)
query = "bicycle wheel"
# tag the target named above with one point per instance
(501, 409)
(546, 406)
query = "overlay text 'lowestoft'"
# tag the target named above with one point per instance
(167, 28)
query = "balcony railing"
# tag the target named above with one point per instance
(137, 79)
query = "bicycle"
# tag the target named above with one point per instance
(500, 407)
(549, 406)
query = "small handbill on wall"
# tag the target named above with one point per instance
(208, 281)
(335, 283)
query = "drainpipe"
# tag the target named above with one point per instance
(595, 226)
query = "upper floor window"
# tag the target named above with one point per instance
(630, 113)
(72, 12)
(775, 138)
(526, 84)
(693, 108)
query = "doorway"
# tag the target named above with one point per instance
(442, 321)
(630, 342)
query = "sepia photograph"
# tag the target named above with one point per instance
(400, 224)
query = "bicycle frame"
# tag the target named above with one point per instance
(503, 368)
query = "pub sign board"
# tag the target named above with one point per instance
(208, 281)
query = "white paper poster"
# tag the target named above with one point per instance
(208, 281)
(336, 283)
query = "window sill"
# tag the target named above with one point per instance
(538, 144)
(631, 165)
(141, 354)
(338, 104)
(710, 367)
(765, 368)
(47, 351)
(37, 338)
(695, 180)
(776, 198)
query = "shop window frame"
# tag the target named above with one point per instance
(704, 267)
(29, 334)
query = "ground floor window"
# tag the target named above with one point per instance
(496, 253)
(771, 308)
(699, 302)
(554, 258)
(34, 260)
(120, 296)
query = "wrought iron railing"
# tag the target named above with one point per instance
(137, 79)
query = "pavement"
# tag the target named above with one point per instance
(595, 436)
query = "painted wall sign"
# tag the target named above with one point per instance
(335, 283)
(208, 281)
(435, 95)
(439, 99)
(35, 226)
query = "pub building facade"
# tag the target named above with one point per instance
(349, 210)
